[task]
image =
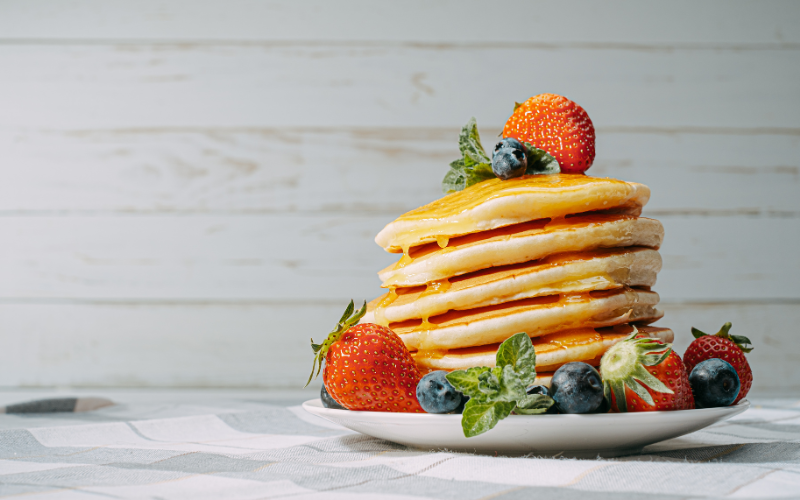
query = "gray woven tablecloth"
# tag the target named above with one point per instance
(205, 445)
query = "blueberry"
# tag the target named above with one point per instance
(460, 409)
(537, 389)
(509, 159)
(577, 388)
(508, 142)
(714, 383)
(328, 401)
(436, 394)
(604, 407)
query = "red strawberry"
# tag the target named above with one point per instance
(367, 367)
(688, 398)
(722, 345)
(643, 374)
(557, 125)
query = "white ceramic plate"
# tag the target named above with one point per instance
(610, 434)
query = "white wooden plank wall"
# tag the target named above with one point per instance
(189, 189)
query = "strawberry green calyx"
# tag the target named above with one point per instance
(724, 333)
(348, 319)
(624, 365)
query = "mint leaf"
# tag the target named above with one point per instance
(478, 173)
(540, 161)
(533, 404)
(474, 166)
(495, 392)
(466, 381)
(479, 417)
(501, 384)
(518, 352)
(469, 143)
(456, 178)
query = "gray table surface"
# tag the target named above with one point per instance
(261, 444)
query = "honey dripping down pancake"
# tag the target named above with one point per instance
(552, 351)
(520, 243)
(497, 203)
(562, 273)
(536, 316)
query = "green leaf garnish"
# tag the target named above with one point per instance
(496, 392)
(533, 404)
(501, 384)
(466, 381)
(475, 165)
(480, 417)
(540, 161)
(469, 143)
(518, 352)
(456, 178)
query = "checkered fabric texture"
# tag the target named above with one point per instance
(250, 448)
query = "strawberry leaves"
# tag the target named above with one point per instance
(724, 332)
(496, 392)
(475, 165)
(625, 365)
(348, 319)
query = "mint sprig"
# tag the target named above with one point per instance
(497, 392)
(475, 165)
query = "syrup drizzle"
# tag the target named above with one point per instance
(380, 309)
(434, 287)
(405, 260)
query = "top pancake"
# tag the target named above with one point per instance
(497, 203)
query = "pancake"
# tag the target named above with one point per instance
(563, 273)
(543, 378)
(536, 316)
(520, 243)
(497, 203)
(552, 351)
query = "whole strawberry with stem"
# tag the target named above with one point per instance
(557, 125)
(687, 400)
(367, 366)
(722, 345)
(644, 374)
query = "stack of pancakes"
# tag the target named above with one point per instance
(564, 258)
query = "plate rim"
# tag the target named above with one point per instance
(316, 403)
